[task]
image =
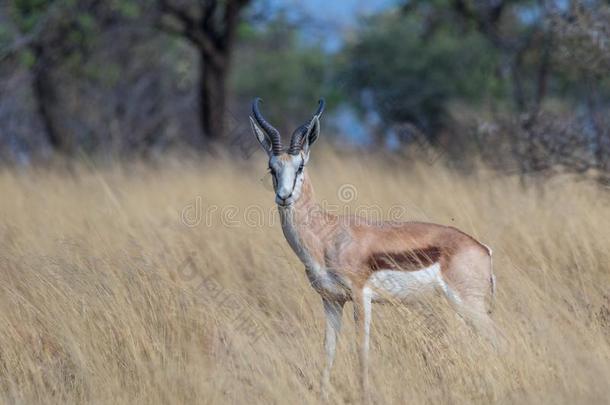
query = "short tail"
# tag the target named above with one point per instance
(492, 301)
(492, 283)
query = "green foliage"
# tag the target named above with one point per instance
(274, 64)
(412, 73)
(440, 65)
(68, 24)
(28, 13)
(581, 59)
(27, 58)
(127, 8)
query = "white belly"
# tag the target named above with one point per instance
(405, 285)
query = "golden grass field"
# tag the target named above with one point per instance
(152, 284)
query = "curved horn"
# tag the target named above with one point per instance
(298, 136)
(321, 104)
(274, 135)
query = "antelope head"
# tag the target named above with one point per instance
(286, 166)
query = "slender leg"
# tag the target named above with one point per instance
(473, 311)
(333, 311)
(362, 317)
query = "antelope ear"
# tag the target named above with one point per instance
(312, 133)
(262, 136)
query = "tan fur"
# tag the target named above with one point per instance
(345, 244)
(341, 253)
(348, 258)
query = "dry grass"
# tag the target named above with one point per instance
(99, 302)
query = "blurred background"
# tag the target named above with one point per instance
(140, 265)
(520, 85)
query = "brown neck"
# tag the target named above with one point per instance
(303, 224)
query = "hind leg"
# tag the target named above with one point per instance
(467, 282)
(473, 311)
(362, 316)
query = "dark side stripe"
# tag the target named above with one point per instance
(410, 260)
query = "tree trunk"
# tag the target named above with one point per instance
(517, 84)
(213, 100)
(601, 134)
(47, 103)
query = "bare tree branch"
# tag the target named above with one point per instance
(190, 28)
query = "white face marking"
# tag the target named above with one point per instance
(405, 285)
(287, 178)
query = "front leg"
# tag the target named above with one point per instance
(333, 311)
(362, 316)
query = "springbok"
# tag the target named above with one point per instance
(347, 258)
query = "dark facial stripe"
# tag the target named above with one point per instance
(294, 183)
(410, 260)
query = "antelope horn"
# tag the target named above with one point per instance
(274, 135)
(298, 136)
